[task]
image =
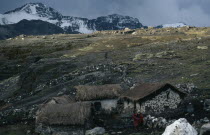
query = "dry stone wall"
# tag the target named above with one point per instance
(166, 99)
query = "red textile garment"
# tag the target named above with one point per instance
(136, 120)
(141, 119)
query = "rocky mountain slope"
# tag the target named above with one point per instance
(172, 25)
(158, 55)
(35, 68)
(39, 11)
(25, 27)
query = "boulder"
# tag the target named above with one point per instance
(202, 47)
(152, 122)
(155, 123)
(166, 54)
(134, 33)
(150, 27)
(95, 131)
(143, 56)
(205, 129)
(22, 36)
(161, 122)
(188, 87)
(180, 127)
(127, 29)
(206, 120)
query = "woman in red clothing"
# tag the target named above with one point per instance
(137, 119)
(141, 120)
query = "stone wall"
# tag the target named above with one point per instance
(107, 106)
(128, 108)
(165, 100)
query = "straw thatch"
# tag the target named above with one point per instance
(142, 91)
(64, 114)
(109, 91)
(60, 100)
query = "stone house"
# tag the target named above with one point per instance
(107, 105)
(65, 113)
(151, 98)
(92, 105)
(104, 98)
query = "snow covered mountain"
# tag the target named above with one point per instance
(173, 25)
(115, 21)
(31, 11)
(39, 11)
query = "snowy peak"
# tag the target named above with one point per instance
(29, 8)
(116, 17)
(173, 25)
(117, 22)
(38, 9)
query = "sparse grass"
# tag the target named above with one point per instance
(167, 55)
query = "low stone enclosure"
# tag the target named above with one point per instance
(107, 105)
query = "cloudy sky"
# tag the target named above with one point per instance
(149, 12)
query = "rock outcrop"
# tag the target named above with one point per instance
(180, 127)
(205, 129)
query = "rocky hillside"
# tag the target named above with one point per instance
(39, 11)
(34, 68)
(25, 27)
(40, 65)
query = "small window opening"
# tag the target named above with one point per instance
(168, 93)
(97, 106)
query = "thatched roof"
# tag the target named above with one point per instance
(141, 91)
(64, 114)
(109, 91)
(65, 99)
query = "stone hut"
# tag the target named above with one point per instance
(63, 113)
(151, 98)
(63, 110)
(103, 98)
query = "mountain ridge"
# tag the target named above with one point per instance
(29, 27)
(70, 24)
